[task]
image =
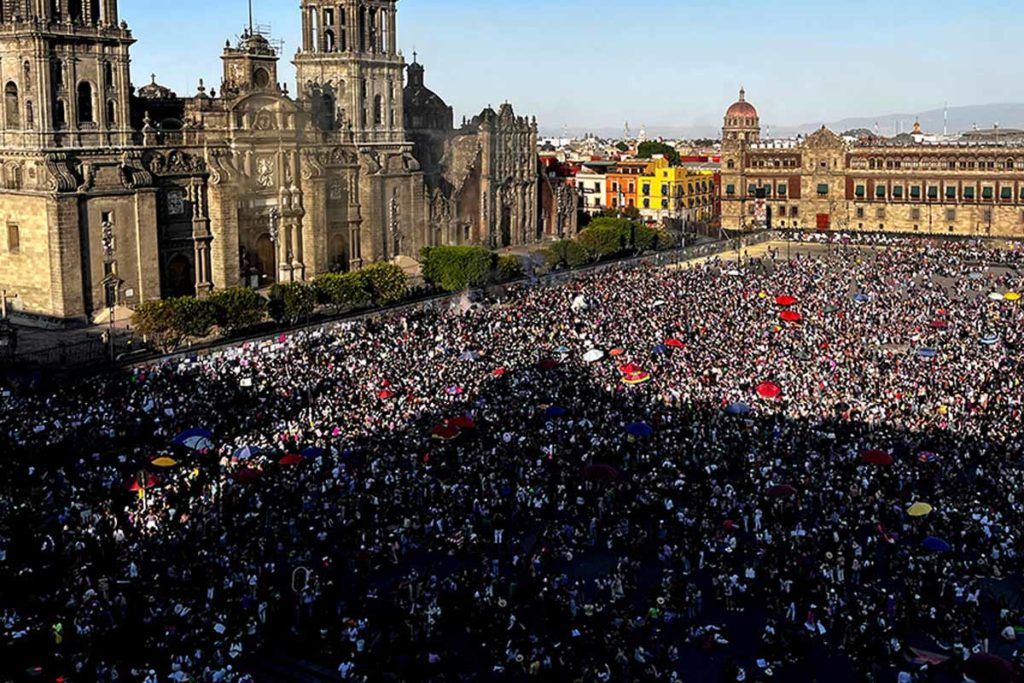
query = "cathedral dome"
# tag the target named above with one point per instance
(155, 91)
(742, 108)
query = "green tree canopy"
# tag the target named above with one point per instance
(648, 149)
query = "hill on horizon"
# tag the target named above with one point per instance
(961, 119)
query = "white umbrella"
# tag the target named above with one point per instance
(593, 355)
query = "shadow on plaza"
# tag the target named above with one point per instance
(482, 457)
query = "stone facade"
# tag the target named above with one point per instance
(111, 197)
(823, 182)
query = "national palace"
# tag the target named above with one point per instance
(112, 195)
(823, 182)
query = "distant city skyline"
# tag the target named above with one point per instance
(583, 65)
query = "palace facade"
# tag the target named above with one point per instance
(111, 196)
(823, 182)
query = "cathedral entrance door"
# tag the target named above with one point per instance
(265, 260)
(181, 279)
(506, 227)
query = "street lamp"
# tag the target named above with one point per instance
(275, 235)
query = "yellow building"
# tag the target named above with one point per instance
(684, 193)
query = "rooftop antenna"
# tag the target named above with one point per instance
(251, 22)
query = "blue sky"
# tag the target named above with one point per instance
(598, 63)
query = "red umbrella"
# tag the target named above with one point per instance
(293, 459)
(630, 368)
(134, 486)
(675, 344)
(790, 317)
(615, 353)
(385, 394)
(786, 301)
(445, 432)
(499, 372)
(600, 473)
(462, 422)
(246, 474)
(876, 457)
(768, 390)
(988, 668)
(781, 491)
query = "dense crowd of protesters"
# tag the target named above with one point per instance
(641, 474)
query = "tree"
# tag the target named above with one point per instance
(510, 267)
(191, 317)
(342, 290)
(153, 320)
(298, 301)
(385, 282)
(456, 268)
(237, 308)
(622, 147)
(604, 238)
(648, 149)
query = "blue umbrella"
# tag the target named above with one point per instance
(990, 339)
(927, 353)
(936, 545)
(660, 349)
(738, 409)
(195, 439)
(640, 430)
(312, 452)
(246, 452)
(861, 298)
(555, 411)
(562, 350)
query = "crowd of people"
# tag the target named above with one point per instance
(740, 470)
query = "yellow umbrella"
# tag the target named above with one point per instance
(1012, 296)
(165, 462)
(919, 509)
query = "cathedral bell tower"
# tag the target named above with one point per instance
(349, 68)
(64, 72)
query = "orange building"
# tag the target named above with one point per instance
(622, 182)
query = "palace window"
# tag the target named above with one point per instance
(986, 215)
(950, 215)
(968, 193)
(730, 190)
(1006, 193)
(85, 109)
(915, 214)
(860, 212)
(13, 238)
(897, 191)
(12, 106)
(859, 191)
(794, 212)
(950, 193)
(823, 189)
(880, 191)
(880, 213)
(987, 193)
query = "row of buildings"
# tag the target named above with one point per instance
(686, 192)
(970, 187)
(112, 195)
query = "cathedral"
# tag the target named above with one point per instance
(111, 196)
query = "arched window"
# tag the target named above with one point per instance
(12, 106)
(108, 75)
(261, 78)
(75, 11)
(27, 80)
(60, 117)
(378, 110)
(328, 40)
(85, 106)
(30, 115)
(111, 113)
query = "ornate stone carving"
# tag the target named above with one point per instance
(61, 177)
